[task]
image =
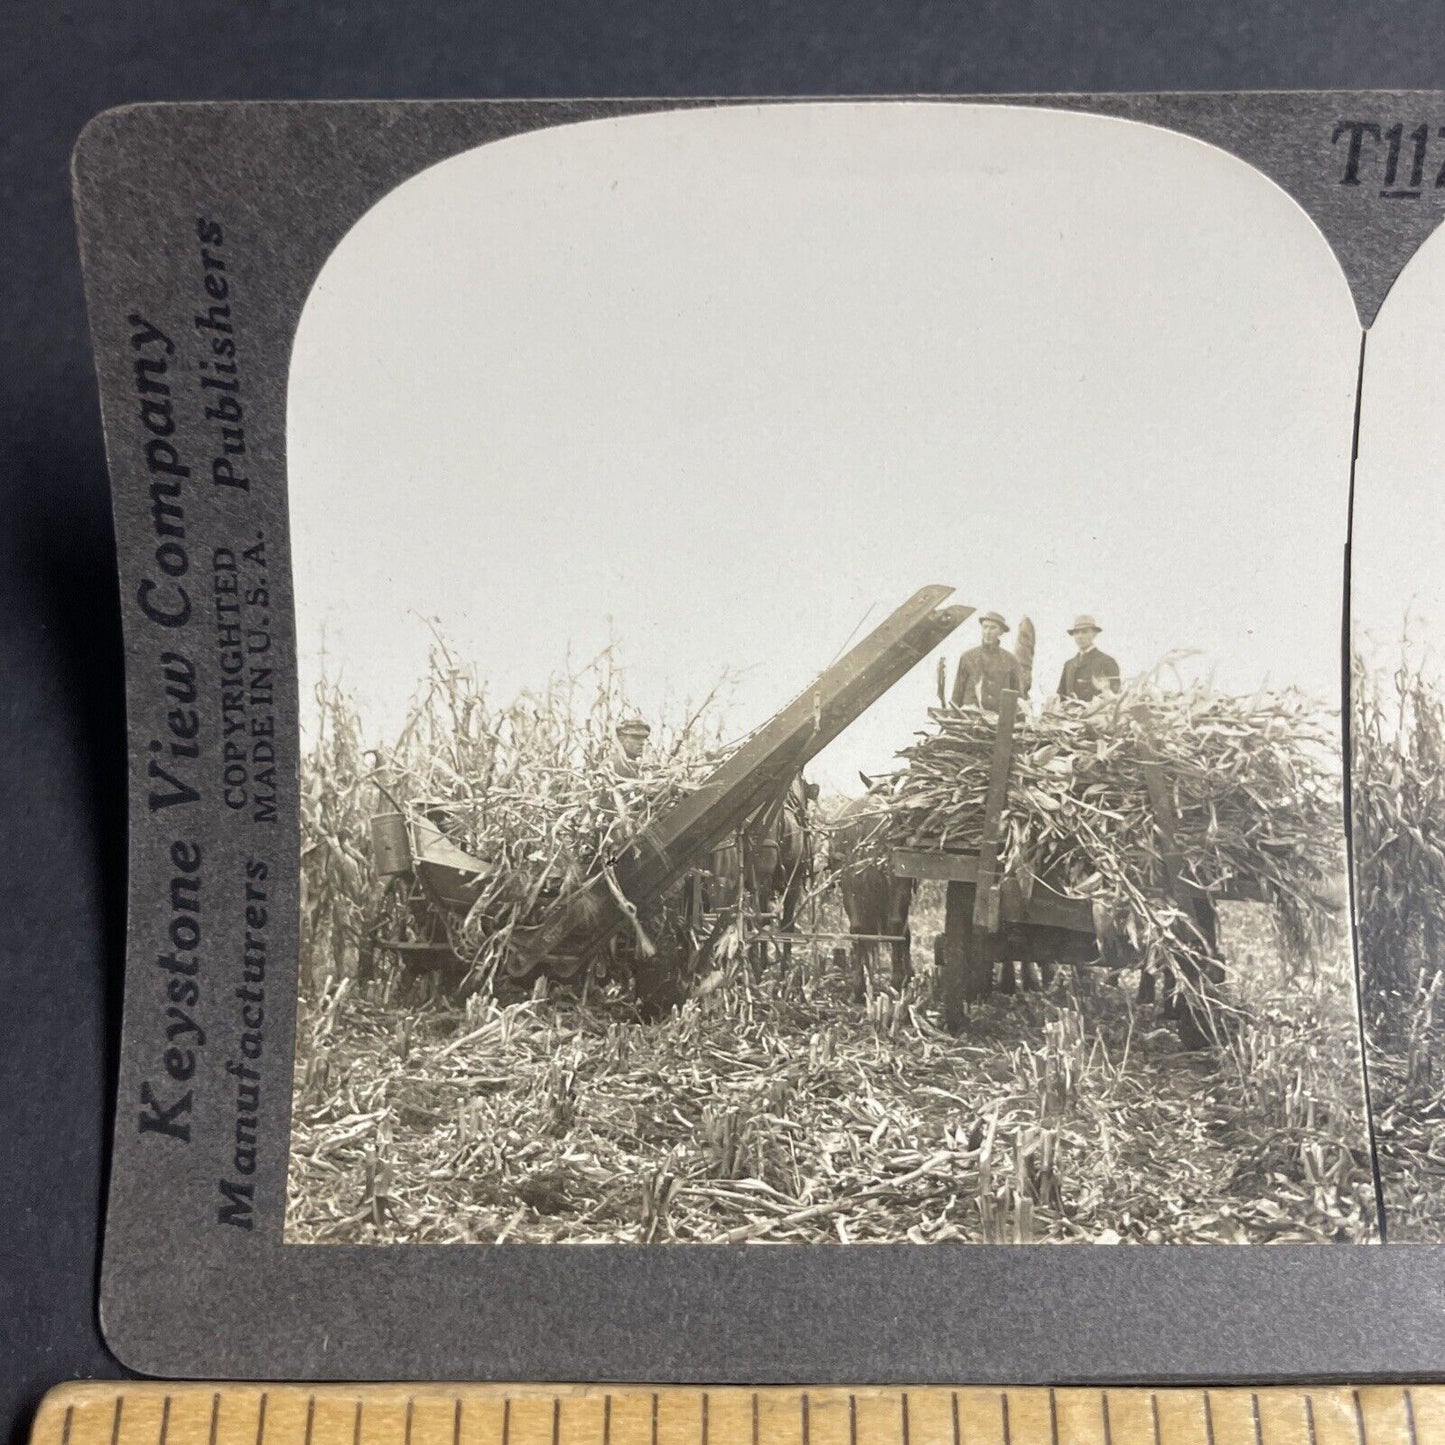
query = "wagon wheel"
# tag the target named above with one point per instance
(1191, 1026)
(1189, 992)
(1191, 1002)
(1187, 1002)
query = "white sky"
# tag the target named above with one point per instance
(1399, 540)
(720, 382)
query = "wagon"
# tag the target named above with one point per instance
(641, 906)
(990, 917)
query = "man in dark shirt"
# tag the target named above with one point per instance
(1089, 673)
(985, 671)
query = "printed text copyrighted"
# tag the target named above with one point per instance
(217, 737)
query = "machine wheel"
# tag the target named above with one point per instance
(657, 985)
(406, 949)
(662, 981)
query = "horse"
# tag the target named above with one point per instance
(875, 901)
(768, 861)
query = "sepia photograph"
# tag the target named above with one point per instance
(1398, 747)
(818, 632)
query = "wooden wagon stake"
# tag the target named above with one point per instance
(986, 900)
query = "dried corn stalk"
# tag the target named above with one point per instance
(530, 787)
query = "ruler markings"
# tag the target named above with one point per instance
(1428, 1409)
(209, 1414)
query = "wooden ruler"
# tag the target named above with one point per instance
(204, 1414)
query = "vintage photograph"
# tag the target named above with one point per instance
(1398, 746)
(819, 646)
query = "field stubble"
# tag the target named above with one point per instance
(775, 1109)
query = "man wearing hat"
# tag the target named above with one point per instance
(985, 671)
(632, 735)
(1089, 673)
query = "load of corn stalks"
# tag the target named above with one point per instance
(1254, 783)
(1397, 782)
(529, 788)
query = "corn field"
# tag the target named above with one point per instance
(772, 1105)
(1398, 800)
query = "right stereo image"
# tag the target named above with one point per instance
(1397, 742)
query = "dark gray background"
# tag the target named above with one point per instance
(61, 752)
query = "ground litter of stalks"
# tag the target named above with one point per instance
(776, 1109)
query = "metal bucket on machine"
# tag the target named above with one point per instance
(390, 844)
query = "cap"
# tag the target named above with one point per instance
(995, 617)
(633, 725)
